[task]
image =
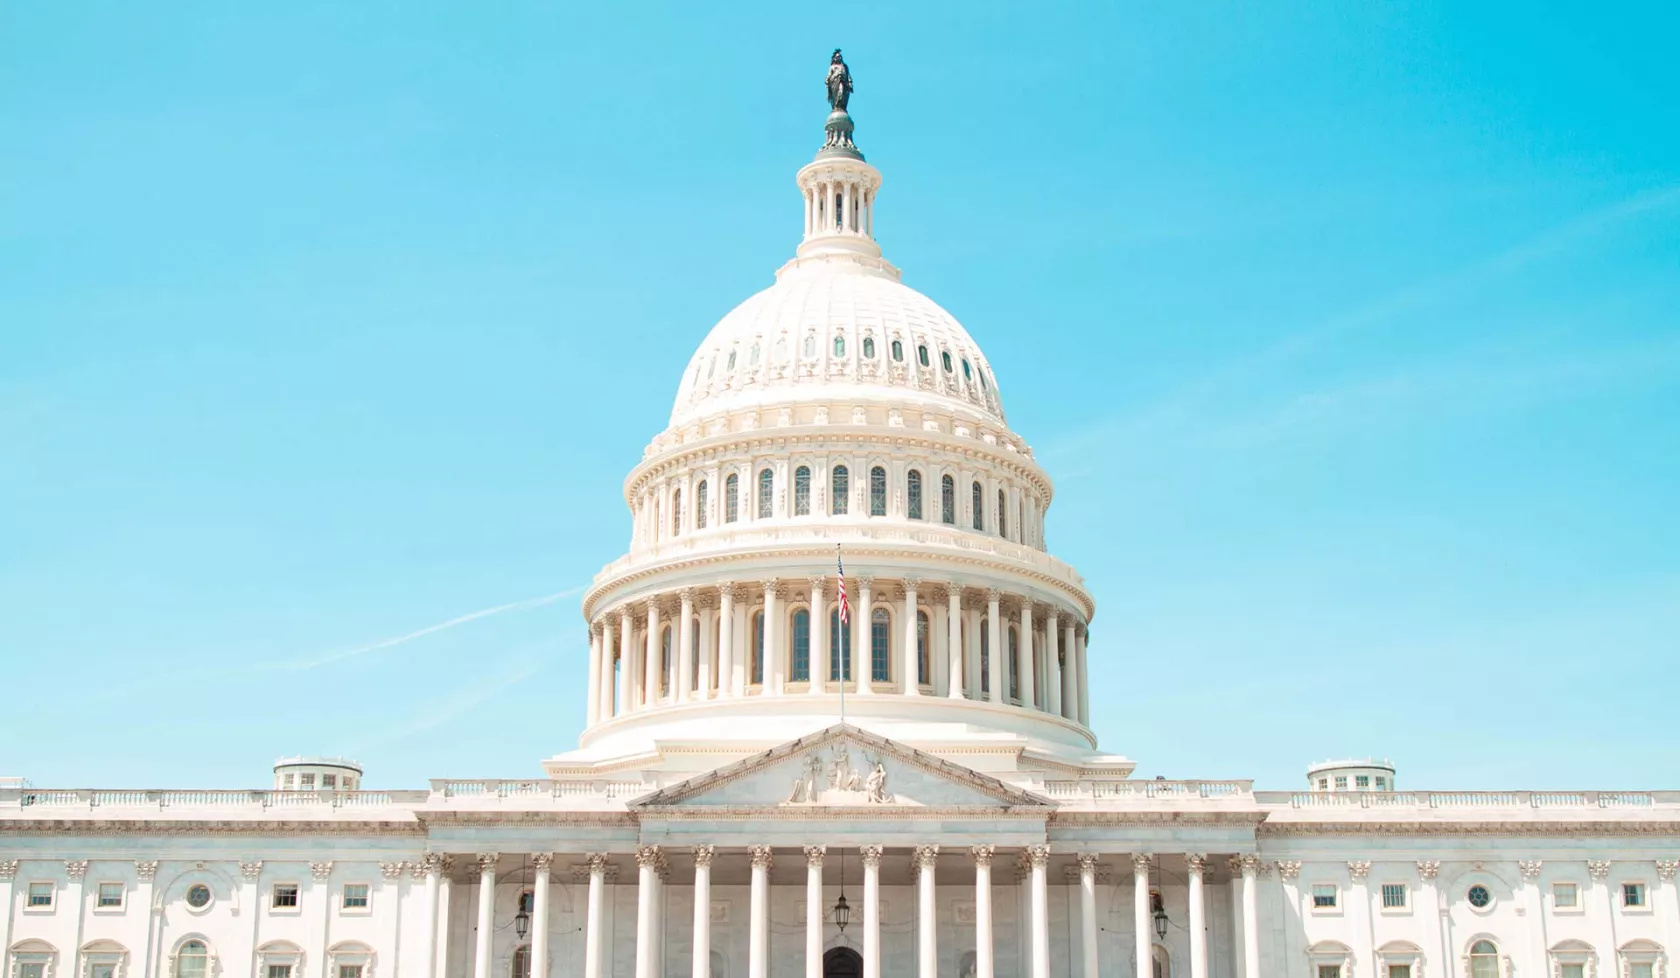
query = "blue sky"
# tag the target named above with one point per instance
(1348, 332)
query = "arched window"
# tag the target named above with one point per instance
(913, 493)
(520, 966)
(801, 671)
(1014, 663)
(700, 505)
(839, 346)
(921, 354)
(869, 347)
(944, 357)
(983, 380)
(1003, 518)
(924, 674)
(766, 493)
(731, 364)
(664, 660)
(752, 359)
(732, 498)
(877, 491)
(676, 512)
(968, 374)
(757, 674)
(192, 960)
(802, 491)
(1160, 964)
(880, 646)
(694, 643)
(985, 656)
(1484, 960)
(947, 499)
(840, 489)
(839, 647)
(898, 351)
(979, 507)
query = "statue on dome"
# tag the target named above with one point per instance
(839, 82)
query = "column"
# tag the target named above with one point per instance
(1070, 674)
(1052, 664)
(592, 709)
(626, 669)
(726, 640)
(702, 962)
(818, 643)
(994, 641)
(446, 894)
(1088, 912)
(593, 923)
(1140, 913)
(651, 665)
(846, 207)
(1039, 856)
(685, 645)
(539, 915)
(1084, 678)
(430, 865)
(983, 955)
(486, 913)
(927, 916)
(910, 658)
(863, 648)
(607, 689)
(813, 911)
(1198, 917)
(1029, 666)
(871, 911)
(1251, 915)
(773, 645)
(647, 882)
(953, 638)
(1234, 864)
(706, 649)
(758, 933)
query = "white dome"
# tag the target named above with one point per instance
(837, 326)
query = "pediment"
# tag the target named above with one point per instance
(841, 767)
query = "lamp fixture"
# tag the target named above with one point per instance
(842, 912)
(522, 919)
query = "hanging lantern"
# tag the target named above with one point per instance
(1160, 923)
(842, 913)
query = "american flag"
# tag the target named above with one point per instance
(845, 606)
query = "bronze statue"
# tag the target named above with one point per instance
(839, 82)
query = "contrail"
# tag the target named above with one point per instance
(316, 663)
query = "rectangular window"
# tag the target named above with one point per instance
(880, 647)
(306, 781)
(110, 894)
(349, 971)
(31, 969)
(97, 970)
(1399, 971)
(1329, 971)
(355, 896)
(1572, 971)
(1565, 896)
(801, 646)
(1323, 784)
(1362, 781)
(288, 782)
(1640, 969)
(1341, 782)
(329, 781)
(285, 896)
(1382, 785)
(1324, 896)
(1633, 894)
(1394, 896)
(40, 894)
(279, 971)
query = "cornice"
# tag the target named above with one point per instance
(206, 826)
(831, 813)
(1135, 817)
(1597, 829)
(529, 817)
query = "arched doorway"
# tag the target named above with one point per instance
(842, 962)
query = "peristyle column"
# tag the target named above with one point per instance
(1088, 912)
(1198, 916)
(871, 911)
(647, 883)
(651, 665)
(927, 919)
(1140, 912)
(703, 911)
(1052, 664)
(983, 956)
(1039, 857)
(818, 639)
(486, 913)
(1029, 667)
(910, 659)
(864, 646)
(626, 663)
(758, 932)
(953, 637)
(726, 641)
(432, 866)
(813, 911)
(994, 641)
(592, 709)
(592, 921)
(1070, 674)
(1251, 915)
(539, 915)
(685, 645)
(771, 667)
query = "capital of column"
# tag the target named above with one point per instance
(1530, 869)
(647, 857)
(760, 856)
(1197, 863)
(911, 583)
(652, 605)
(597, 862)
(864, 580)
(543, 860)
(1598, 869)
(871, 856)
(818, 583)
(686, 594)
(1141, 863)
(994, 594)
(486, 861)
(926, 856)
(982, 854)
(703, 856)
(1038, 856)
(76, 868)
(1428, 868)
(1251, 866)
(814, 856)
(1358, 869)
(1087, 864)
(1288, 869)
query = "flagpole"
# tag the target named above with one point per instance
(845, 635)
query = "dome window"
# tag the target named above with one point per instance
(731, 498)
(752, 359)
(841, 485)
(766, 493)
(711, 368)
(979, 502)
(877, 491)
(802, 491)
(1002, 522)
(913, 494)
(898, 351)
(700, 505)
(967, 374)
(945, 358)
(983, 380)
(921, 354)
(810, 346)
(731, 364)
(947, 499)
(839, 346)
(869, 347)
(676, 513)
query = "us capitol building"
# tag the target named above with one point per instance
(763, 789)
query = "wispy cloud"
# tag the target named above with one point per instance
(517, 667)
(317, 661)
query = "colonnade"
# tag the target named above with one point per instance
(781, 637)
(653, 874)
(839, 206)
